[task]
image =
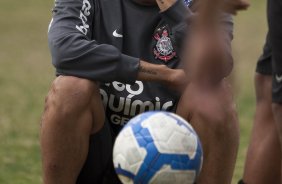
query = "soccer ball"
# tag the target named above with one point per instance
(157, 147)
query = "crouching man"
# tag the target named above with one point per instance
(129, 52)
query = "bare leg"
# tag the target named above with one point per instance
(213, 116)
(277, 111)
(67, 123)
(263, 157)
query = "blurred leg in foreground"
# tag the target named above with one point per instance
(207, 102)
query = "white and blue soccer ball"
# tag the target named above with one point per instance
(157, 148)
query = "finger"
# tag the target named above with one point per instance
(233, 7)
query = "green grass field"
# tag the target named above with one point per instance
(26, 73)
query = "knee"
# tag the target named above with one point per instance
(222, 122)
(69, 94)
(218, 116)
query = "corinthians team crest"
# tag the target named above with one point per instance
(164, 49)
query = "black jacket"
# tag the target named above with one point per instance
(104, 40)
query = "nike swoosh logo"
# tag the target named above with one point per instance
(115, 34)
(278, 78)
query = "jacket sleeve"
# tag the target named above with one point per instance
(75, 53)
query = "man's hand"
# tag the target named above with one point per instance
(174, 78)
(232, 6)
(177, 80)
(210, 10)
